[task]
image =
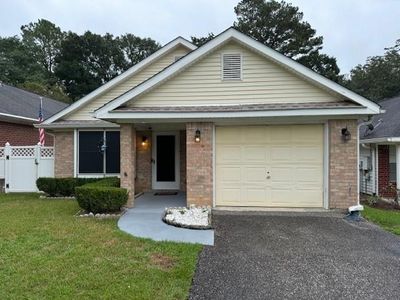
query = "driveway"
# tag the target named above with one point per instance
(295, 256)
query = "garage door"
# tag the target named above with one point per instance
(271, 166)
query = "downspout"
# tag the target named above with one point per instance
(354, 211)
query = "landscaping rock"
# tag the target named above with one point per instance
(192, 217)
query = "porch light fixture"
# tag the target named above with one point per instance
(197, 136)
(144, 140)
(346, 135)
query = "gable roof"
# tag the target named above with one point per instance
(131, 71)
(224, 37)
(23, 106)
(387, 125)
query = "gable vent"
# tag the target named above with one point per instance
(231, 67)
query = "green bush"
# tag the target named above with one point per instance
(101, 199)
(65, 187)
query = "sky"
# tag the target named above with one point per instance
(352, 29)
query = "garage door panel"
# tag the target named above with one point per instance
(309, 154)
(308, 175)
(229, 154)
(230, 196)
(254, 175)
(293, 154)
(281, 154)
(257, 135)
(229, 174)
(254, 154)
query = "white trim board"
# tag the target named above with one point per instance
(228, 35)
(145, 116)
(131, 71)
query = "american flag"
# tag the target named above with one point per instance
(42, 136)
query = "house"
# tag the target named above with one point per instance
(380, 151)
(231, 123)
(19, 110)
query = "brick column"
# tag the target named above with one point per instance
(128, 158)
(143, 162)
(199, 164)
(385, 187)
(64, 154)
(342, 164)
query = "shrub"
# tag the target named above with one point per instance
(65, 187)
(101, 199)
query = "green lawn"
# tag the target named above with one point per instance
(388, 219)
(48, 253)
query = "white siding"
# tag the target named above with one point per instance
(84, 112)
(263, 82)
(367, 170)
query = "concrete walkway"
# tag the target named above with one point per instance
(144, 220)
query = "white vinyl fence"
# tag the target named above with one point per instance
(20, 166)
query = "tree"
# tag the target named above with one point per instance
(379, 77)
(43, 38)
(74, 68)
(200, 41)
(135, 49)
(280, 25)
(16, 63)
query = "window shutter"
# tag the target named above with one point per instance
(231, 67)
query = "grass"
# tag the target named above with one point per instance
(387, 219)
(48, 253)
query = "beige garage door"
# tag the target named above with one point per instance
(271, 166)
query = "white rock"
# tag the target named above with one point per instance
(91, 214)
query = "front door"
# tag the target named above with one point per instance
(166, 161)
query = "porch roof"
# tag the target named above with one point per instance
(240, 108)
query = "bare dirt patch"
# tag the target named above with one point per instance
(163, 261)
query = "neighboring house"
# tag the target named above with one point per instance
(232, 123)
(380, 151)
(19, 110)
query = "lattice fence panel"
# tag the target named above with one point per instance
(23, 152)
(47, 152)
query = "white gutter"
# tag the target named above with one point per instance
(381, 140)
(18, 117)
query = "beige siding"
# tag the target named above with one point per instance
(157, 66)
(263, 82)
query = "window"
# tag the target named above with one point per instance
(392, 163)
(231, 67)
(98, 152)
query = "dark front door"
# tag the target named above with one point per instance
(166, 161)
(165, 158)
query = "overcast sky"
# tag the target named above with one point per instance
(352, 29)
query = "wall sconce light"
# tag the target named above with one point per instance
(346, 135)
(197, 136)
(144, 140)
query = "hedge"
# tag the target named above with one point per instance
(64, 187)
(101, 199)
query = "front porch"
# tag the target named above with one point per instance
(145, 220)
(168, 157)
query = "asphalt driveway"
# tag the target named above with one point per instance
(294, 256)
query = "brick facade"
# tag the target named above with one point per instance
(199, 164)
(64, 154)
(128, 159)
(143, 162)
(385, 187)
(342, 165)
(21, 135)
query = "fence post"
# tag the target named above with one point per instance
(7, 156)
(38, 157)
